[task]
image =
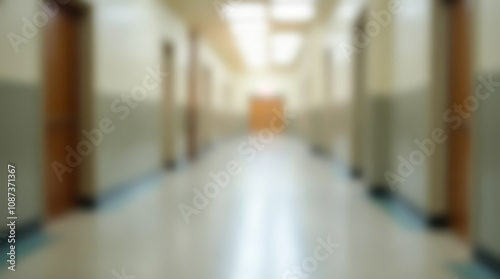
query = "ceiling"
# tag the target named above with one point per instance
(203, 16)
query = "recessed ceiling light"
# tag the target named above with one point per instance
(293, 10)
(248, 23)
(284, 47)
(251, 39)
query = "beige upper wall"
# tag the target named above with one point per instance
(24, 65)
(486, 35)
(412, 45)
(379, 53)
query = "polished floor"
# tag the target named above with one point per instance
(288, 214)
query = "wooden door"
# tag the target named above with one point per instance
(460, 139)
(265, 113)
(61, 111)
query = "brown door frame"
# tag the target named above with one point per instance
(460, 87)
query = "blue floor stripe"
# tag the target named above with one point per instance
(25, 246)
(473, 270)
(130, 193)
(399, 213)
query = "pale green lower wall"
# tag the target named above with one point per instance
(377, 141)
(339, 120)
(317, 125)
(409, 121)
(134, 148)
(21, 144)
(486, 162)
(393, 122)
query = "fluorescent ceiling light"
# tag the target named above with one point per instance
(251, 39)
(284, 47)
(239, 11)
(254, 50)
(248, 23)
(293, 10)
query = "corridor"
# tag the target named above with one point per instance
(267, 223)
(249, 139)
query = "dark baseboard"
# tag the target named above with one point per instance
(356, 172)
(88, 203)
(379, 191)
(432, 221)
(178, 164)
(29, 229)
(22, 231)
(96, 202)
(438, 222)
(487, 258)
(316, 149)
(320, 151)
(170, 165)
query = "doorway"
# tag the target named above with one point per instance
(265, 114)
(460, 87)
(169, 134)
(205, 111)
(63, 82)
(192, 107)
(358, 108)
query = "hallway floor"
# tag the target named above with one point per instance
(288, 212)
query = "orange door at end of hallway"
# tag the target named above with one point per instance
(267, 113)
